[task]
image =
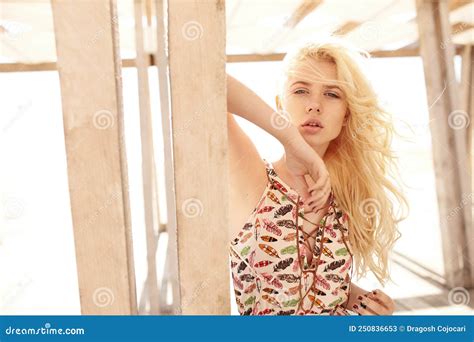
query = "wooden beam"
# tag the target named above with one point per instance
(198, 102)
(150, 193)
(238, 58)
(467, 101)
(91, 93)
(303, 10)
(455, 4)
(437, 53)
(460, 27)
(50, 66)
(170, 281)
(347, 27)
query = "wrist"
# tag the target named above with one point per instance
(290, 136)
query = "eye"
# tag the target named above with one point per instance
(300, 91)
(334, 95)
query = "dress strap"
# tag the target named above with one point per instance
(269, 170)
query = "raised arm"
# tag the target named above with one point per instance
(243, 102)
(300, 158)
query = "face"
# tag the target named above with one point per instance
(314, 102)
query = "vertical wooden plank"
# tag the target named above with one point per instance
(90, 74)
(467, 96)
(150, 195)
(437, 52)
(170, 279)
(198, 101)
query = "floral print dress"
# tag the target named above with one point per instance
(270, 271)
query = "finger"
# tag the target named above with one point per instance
(383, 298)
(301, 188)
(323, 192)
(370, 305)
(321, 196)
(361, 311)
(320, 181)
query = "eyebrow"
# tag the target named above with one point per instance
(327, 86)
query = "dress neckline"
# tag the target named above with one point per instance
(283, 187)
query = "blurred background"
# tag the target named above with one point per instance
(37, 255)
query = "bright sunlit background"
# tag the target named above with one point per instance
(37, 258)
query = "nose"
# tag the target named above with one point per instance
(313, 105)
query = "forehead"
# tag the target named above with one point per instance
(313, 71)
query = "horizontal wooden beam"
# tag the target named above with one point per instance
(272, 57)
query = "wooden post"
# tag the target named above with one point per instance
(198, 100)
(90, 74)
(449, 154)
(467, 95)
(170, 279)
(150, 195)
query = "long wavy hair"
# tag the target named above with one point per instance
(360, 161)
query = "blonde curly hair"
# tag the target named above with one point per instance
(360, 161)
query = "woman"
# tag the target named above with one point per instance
(324, 205)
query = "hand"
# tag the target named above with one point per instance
(301, 159)
(374, 303)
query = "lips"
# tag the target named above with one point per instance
(313, 123)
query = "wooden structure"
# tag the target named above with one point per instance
(97, 167)
(89, 63)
